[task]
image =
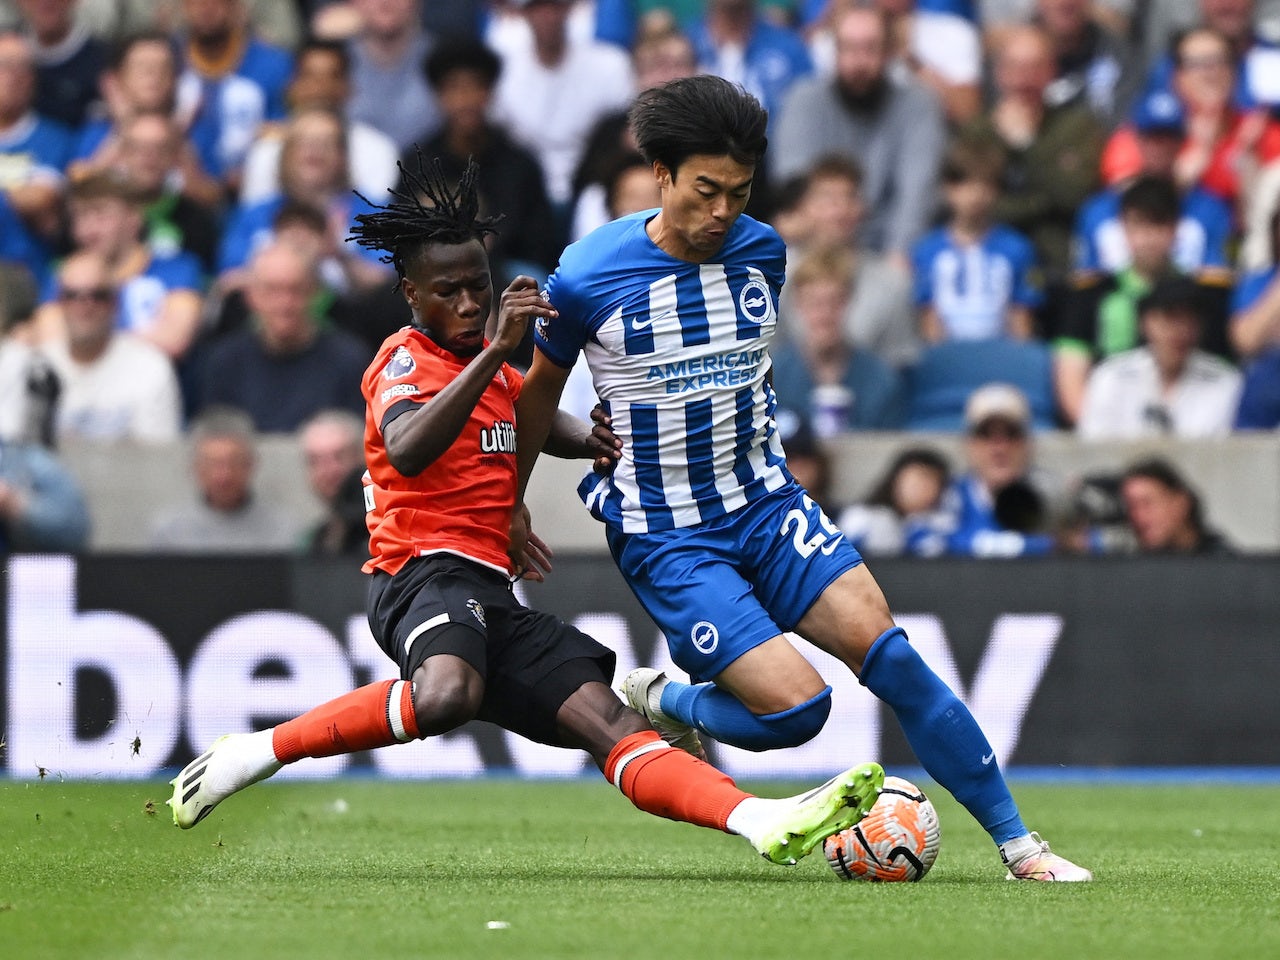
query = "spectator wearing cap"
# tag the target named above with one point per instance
(1167, 386)
(999, 506)
(463, 75)
(1164, 512)
(1095, 66)
(1206, 224)
(1098, 317)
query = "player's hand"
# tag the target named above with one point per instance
(521, 303)
(530, 556)
(604, 444)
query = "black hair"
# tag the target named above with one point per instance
(973, 160)
(469, 55)
(119, 52)
(619, 166)
(1161, 471)
(699, 115)
(1156, 198)
(1174, 294)
(831, 166)
(403, 227)
(882, 494)
(292, 212)
(335, 48)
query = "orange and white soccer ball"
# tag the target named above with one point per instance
(897, 841)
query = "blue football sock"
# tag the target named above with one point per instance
(949, 743)
(721, 715)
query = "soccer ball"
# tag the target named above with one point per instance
(897, 841)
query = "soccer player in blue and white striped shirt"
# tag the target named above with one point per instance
(675, 309)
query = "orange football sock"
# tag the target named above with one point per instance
(667, 782)
(376, 715)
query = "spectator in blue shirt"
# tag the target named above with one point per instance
(141, 79)
(974, 279)
(232, 83)
(734, 42)
(41, 505)
(1256, 58)
(313, 173)
(34, 150)
(999, 507)
(1255, 304)
(1205, 226)
(1255, 334)
(159, 294)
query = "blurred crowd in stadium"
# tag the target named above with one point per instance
(1002, 217)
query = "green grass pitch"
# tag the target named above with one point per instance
(365, 869)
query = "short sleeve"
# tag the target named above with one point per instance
(1027, 290)
(403, 381)
(922, 273)
(562, 337)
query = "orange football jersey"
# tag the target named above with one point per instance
(460, 504)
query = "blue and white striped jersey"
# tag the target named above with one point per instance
(678, 353)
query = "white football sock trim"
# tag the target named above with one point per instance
(393, 712)
(634, 754)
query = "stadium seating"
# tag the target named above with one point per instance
(948, 372)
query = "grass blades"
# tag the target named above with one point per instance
(504, 868)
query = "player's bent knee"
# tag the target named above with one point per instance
(443, 703)
(791, 728)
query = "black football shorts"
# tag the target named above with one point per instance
(531, 661)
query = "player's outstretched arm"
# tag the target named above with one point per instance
(536, 410)
(572, 438)
(415, 440)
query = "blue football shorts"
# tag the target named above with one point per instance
(724, 586)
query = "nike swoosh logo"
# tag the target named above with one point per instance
(638, 324)
(830, 545)
(988, 758)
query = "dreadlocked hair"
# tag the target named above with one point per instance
(424, 210)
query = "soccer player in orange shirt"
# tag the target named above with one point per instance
(440, 492)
